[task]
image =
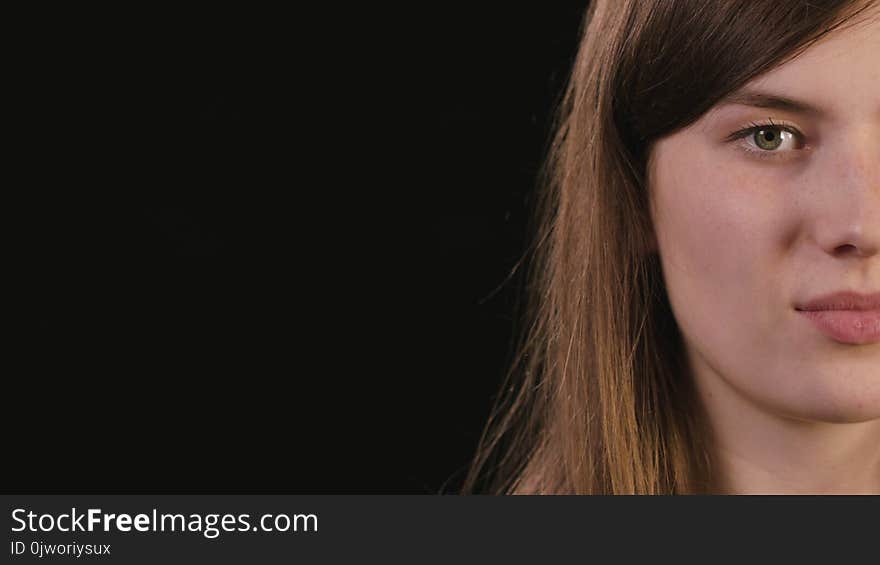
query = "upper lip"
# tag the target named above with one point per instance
(843, 301)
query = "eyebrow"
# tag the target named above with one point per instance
(759, 99)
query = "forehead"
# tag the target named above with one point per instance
(838, 76)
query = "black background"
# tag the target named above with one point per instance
(269, 252)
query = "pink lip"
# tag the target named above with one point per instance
(846, 317)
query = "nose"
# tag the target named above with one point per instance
(849, 220)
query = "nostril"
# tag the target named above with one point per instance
(846, 249)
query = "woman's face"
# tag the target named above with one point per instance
(748, 229)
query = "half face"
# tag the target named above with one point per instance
(764, 205)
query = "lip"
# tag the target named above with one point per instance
(843, 301)
(846, 317)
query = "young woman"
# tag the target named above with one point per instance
(705, 307)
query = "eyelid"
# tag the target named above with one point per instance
(752, 127)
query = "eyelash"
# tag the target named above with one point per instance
(753, 127)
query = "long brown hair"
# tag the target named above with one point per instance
(599, 398)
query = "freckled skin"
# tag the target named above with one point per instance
(742, 239)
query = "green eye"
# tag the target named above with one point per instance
(768, 139)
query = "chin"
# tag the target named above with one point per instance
(840, 397)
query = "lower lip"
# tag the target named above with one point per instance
(847, 326)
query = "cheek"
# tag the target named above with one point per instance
(717, 230)
(720, 232)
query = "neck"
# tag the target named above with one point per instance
(801, 458)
